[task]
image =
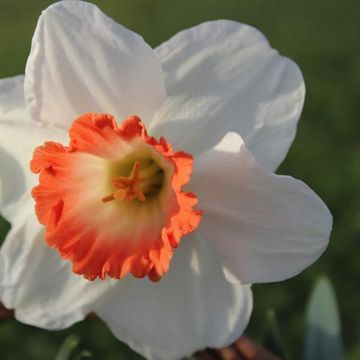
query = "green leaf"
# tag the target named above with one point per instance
(84, 355)
(273, 340)
(68, 348)
(323, 329)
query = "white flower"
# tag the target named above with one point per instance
(217, 91)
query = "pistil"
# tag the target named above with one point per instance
(127, 187)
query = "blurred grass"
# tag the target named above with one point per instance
(323, 38)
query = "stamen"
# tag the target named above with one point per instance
(127, 187)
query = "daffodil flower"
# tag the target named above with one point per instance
(156, 204)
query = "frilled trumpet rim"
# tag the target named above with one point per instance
(112, 201)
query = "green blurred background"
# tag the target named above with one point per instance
(323, 37)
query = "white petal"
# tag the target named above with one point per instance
(12, 102)
(267, 227)
(37, 282)
(191, 308)
(82, 61)
(223, 76)
(18, 137)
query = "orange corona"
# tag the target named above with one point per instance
(112, 201)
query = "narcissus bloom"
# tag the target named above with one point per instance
(155, 180)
